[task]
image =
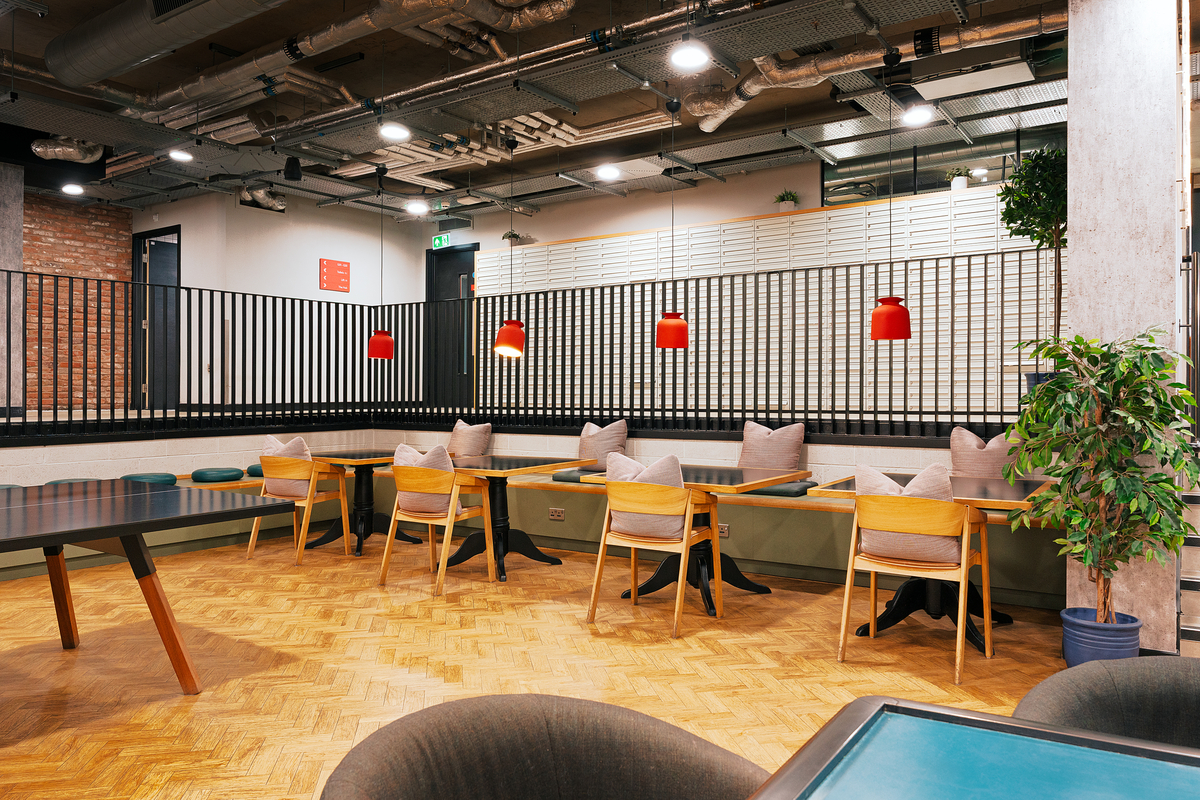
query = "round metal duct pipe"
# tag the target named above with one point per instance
(138, 30)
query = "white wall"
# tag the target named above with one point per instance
(225, 245)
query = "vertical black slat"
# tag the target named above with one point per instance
(651, 330)
(745, 336)
(952, 337)
(647, 318)
(190, 355)
(821, 273)
(721, 422)
(781, 351)
(54, 377)
(920, 358)
(243, 341)
(9, 400)
(587, 360)
(686, 355)
(861, 347)
(152, 356)
(212, 356)
(256, 399)
(570, 344)
(83, 367)
(795, 277)
(987, 345)
(622, 346)
(70, 350)
(807, 344)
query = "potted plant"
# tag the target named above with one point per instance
(786, 200)
(512, 237)
(1112, 428)
(1034, 204)
(958, 177)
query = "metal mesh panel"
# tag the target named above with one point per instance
(1010, 122)
(1008, 98)
(891, 12)
(121, 133)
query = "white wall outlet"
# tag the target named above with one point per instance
(558, 514)
(723, 530)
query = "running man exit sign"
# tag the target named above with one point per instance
(440, 241)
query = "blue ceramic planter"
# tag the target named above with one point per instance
(1084, 639)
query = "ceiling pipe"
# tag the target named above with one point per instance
(25, 69)
(130, 34)
(64, 148)
(771, 72)
(425, 37)
(943, 155)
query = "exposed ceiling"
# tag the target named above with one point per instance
(242, 85)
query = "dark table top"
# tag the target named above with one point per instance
(728, 480)
(356, 457)
(939, 753)
(43, 516)
(507, 466)
(978, 492)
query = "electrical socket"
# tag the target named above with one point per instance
(558, 514)
(723, 530)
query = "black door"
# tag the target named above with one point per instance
(155, 310)
(450, 326)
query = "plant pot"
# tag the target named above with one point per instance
(958, 182)
(1032, 379)
(787, 205)
(1084, 639)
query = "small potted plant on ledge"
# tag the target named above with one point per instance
(1112, 428)
(959, 177)
(786, 200)
(512, 237)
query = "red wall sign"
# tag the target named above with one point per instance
(335, 275)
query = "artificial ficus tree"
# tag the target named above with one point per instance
(1034, 204)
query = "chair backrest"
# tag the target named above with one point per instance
(298, 471)
(917, 517)
(660, 509)
(421, 490)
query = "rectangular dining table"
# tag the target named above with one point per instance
(712, 480)
(111, 516)
(363, 518)
(497, 470)
(934, 597)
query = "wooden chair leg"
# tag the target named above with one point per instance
(683, 565)
(387, 547)
(432, 532)
(297, 515)
(717, 594)
(591, 615)
(253, 536)
(986, 571)
(347, 536)
(960, 638)
(303, 534)
(633, 575)
(874, 602)
(841, 654)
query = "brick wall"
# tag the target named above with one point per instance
(78, 343)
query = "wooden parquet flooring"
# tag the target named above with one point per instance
(300, 663)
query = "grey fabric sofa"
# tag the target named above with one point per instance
(538, 747)
(1155, 698)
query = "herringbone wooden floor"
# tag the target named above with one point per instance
(300, 663)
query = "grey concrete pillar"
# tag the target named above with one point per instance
(12, 295)
(1126, 211)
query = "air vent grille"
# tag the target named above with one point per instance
(453, 224)
(164, 7)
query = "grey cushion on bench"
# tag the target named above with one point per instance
(1155, 698)
(790, 489)
(570, 475)
(537, 747)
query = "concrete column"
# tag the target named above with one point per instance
(1126, 148)
(12, 296)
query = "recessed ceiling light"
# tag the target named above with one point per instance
(607, 172)
(72, 188)
(918, 114)
(689, 55)
(417, 208)
(180, 155)
(394, 131)
(980, 172)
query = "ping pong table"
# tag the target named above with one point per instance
(111, 516)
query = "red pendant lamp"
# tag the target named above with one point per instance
(381, 344)
(510, 339)
(671, 332)
(890, 320)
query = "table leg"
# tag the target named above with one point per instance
(160, 611)
(698, 575)
(505, 539)
(363, 516)
(60, 587)
(932, 597)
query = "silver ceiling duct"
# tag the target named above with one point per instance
(942, 155)
(809, 70)
(264, 197)
(64, 148)
(138, 30)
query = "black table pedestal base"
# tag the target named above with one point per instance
(505, 539)
(363, 516)
(699, 574)
(937, 599)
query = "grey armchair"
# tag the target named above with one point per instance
(538, 747)
(1155, 698)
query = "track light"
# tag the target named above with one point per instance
(72, 188)
(689, 55)
(607, 172)
(394, 132)
(917, 114)
(418, 208)
(180, 155)
(291, 169)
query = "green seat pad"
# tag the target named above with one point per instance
(11, 486)
(69, 480)
(165, 478)
(217, 474)
(254, 470)
(571, 475)
(793, 489)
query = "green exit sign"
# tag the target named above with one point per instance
(440, 241)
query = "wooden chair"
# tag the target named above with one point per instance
(422, 480)
(650, 498)
(282, 468)
(930, 517)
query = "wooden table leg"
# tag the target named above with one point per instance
(60, 587)
(160, 610)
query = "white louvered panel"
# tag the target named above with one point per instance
(974, 218)
(585, 264)
(534, 268)
(845, 235)
(772, 243)
(885, 231)
(487, 273)
(614, 260)
(807, 235)
(737, 247)
(703, 244)
(560, 264)
(643, 257)
(929, 226)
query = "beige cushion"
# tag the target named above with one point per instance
(933, 483)
(664, 472)
(763, 448)
(596, 442)
(469, 440)
(969, 455)
(420, 502)
(296, 448)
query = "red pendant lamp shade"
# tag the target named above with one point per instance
(381, 345)
(510, 339)
(671, 332)
(889, 320)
